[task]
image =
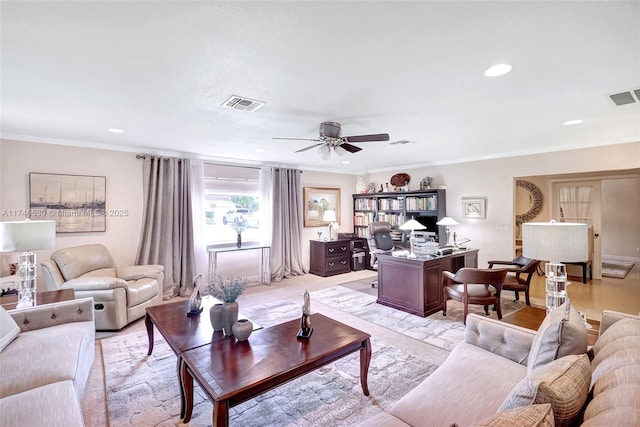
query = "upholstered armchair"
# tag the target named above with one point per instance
(120, 295)
(521, 270)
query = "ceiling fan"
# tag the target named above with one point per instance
(331, 139)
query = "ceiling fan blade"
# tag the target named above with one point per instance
(309, 147)
(350, 148)
(366, 138)
(298, 139)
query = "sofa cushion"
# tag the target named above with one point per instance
(78, 260)
(383, 419)
(53, 354)
(101, 272)
(621, 343)
(622, 328)
(559, 335)
(141, 290)
(530, 415)
(9, 329)
(564, 383)
(55, 404)
(622, 396)
(484, 378)
(618, 417)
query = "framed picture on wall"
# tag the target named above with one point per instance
(317, 201)
(473, 208)
(76, 202)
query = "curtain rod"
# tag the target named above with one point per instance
(142, 156)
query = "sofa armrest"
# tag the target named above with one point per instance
(135, 272)
(44, 316)
(503, 339)
(96, 283)
(52, 276)
(609, 317)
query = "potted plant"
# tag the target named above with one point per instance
(239, 225)
(227, 291)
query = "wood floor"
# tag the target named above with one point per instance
(597, 295)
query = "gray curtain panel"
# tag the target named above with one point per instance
(286, 252)
(167, 228)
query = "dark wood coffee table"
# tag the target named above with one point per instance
(532, 317)
(182, 332)
(9, 302)
(231, 372)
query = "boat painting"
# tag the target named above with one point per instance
(76, 202)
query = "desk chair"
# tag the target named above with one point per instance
(473, 286)
(523, 269)
(380, 242)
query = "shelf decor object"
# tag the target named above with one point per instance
(448, 222)
(557, 242)
(27, 236)
(412, 225)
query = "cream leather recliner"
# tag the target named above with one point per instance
(120, 295)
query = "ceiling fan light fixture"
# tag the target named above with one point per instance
(339, 150)
(325, 152)
(497, 70)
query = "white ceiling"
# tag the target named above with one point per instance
(161, 70)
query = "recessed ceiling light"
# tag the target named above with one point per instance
(345, 162)
(497, 70)
(572, 122)
(115, 130)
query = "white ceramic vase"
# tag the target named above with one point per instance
(242, 329)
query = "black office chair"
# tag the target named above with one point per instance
(380, 242)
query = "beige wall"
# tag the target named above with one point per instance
(494, 180)
(621, 218)
(123, 174)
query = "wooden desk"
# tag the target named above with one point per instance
(415, 285)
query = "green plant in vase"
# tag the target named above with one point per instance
(239, 225)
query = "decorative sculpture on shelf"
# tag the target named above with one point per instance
(195, 301)
(305, 321)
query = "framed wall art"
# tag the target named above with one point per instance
(76, 202)
(474, 208)
(318, 200)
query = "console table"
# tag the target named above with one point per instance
(265, 269)
(415, 285)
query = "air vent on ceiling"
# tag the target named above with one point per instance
(624, 98)
(242, 104)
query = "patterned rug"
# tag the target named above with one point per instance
(616, 269)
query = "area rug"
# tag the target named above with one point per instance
(143, 390)
(616, 269)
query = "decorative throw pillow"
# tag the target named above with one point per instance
(561, 333)
(9, 329)
(564, 383)
(530, 415)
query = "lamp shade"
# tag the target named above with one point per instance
(412, 224)
(20, 236)
(329, 216)
(555, 241)
(447, 221)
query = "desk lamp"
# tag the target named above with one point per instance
(556, 242)
(447, 222)
(26, 236)
(412, 225)
(330, 217)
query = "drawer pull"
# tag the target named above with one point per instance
(344, 249)
(331, 249)
(343, 262)
(331, 264)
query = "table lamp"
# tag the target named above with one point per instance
(447, 222)
(412, 225)
(556, 242)
(27, 236)
(330, 216)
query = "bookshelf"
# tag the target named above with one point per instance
(426, 206)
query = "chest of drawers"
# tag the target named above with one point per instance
(330, 257)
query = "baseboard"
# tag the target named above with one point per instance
(621, 258)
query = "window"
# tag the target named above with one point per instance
(231, 197)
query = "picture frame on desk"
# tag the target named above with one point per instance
(316, 201)
(474, 207)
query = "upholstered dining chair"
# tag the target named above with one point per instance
(521, 270)
(380, 242)
(473, 286)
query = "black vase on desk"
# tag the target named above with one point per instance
(239, 242)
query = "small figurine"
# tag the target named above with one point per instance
(195, 301)
(381, 190)
(305, 321)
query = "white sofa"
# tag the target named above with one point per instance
(46, 354)
(502, 375)
(121, 295)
